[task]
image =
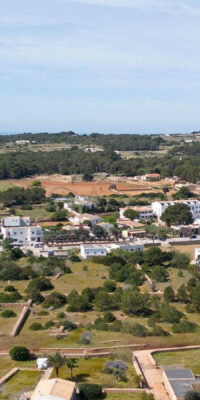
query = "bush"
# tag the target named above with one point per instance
(42, 313)
(139, 330)
(69, 326)
(10, 298)
(61, 315)
(49, 324)
(54, 300)
(35, 296)
(10, 289)
(8, 314)
(36, 326)
(110, 286)
(40, 284)
(19, 353)
(109, 317)
(90, 391)
(184, 327)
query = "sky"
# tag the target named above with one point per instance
(120, 66)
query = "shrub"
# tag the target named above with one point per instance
(42, 313)
(90, 391)
(69, 326)
(54, 300)
(8, 314)
(139, 330)
(184, 327)
(110, 286)
(49, 324)
(109, 317)
(192, 395)
(35, 296)
(19, 353)
(74, 258)
(61, 315)
(36, 326)
(40, 284)
(10, 298)
(10, 289)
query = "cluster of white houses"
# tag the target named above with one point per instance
(99, 250)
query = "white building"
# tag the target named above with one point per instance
(77, 218)
(135, 246)
(90, 250)
(144, 212)
(20, 231)
(159, 207)
(150, 177)
(83, 203)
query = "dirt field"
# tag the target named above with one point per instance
(62, 185)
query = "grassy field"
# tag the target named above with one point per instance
(188, 358)
(37, 212)
(23, 381)
(91, 371)
(4, 185)
(7, 364)
(174, 280)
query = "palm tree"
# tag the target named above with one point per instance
(56, 360)
(71, 364)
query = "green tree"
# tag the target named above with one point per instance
(56, 360)
(180, 261)
(71, 364)
(183, 193)
(182, 294)
(131, 214)
(178, 214)
(134, 302)
(19, 353)
(169, 294)
(159, 274)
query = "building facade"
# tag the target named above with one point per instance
(90, 250)
(20, 231)
(159, 207)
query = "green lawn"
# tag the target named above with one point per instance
(38, 212)
(128, 396)
(7, 364)
(23, 381)
(91, 371)
(187, 358)
(174, 280)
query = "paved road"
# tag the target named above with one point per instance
(152, 374)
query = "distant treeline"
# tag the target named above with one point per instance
(75, 161)
(112, 141)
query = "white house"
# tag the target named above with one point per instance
(135, 246)
(77, 218)
(144, 212)
(159, 207)
(150, 177)
(83, 203)
(90, 250)
(54, 389)
(20, 231)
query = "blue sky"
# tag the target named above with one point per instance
(100, 65)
